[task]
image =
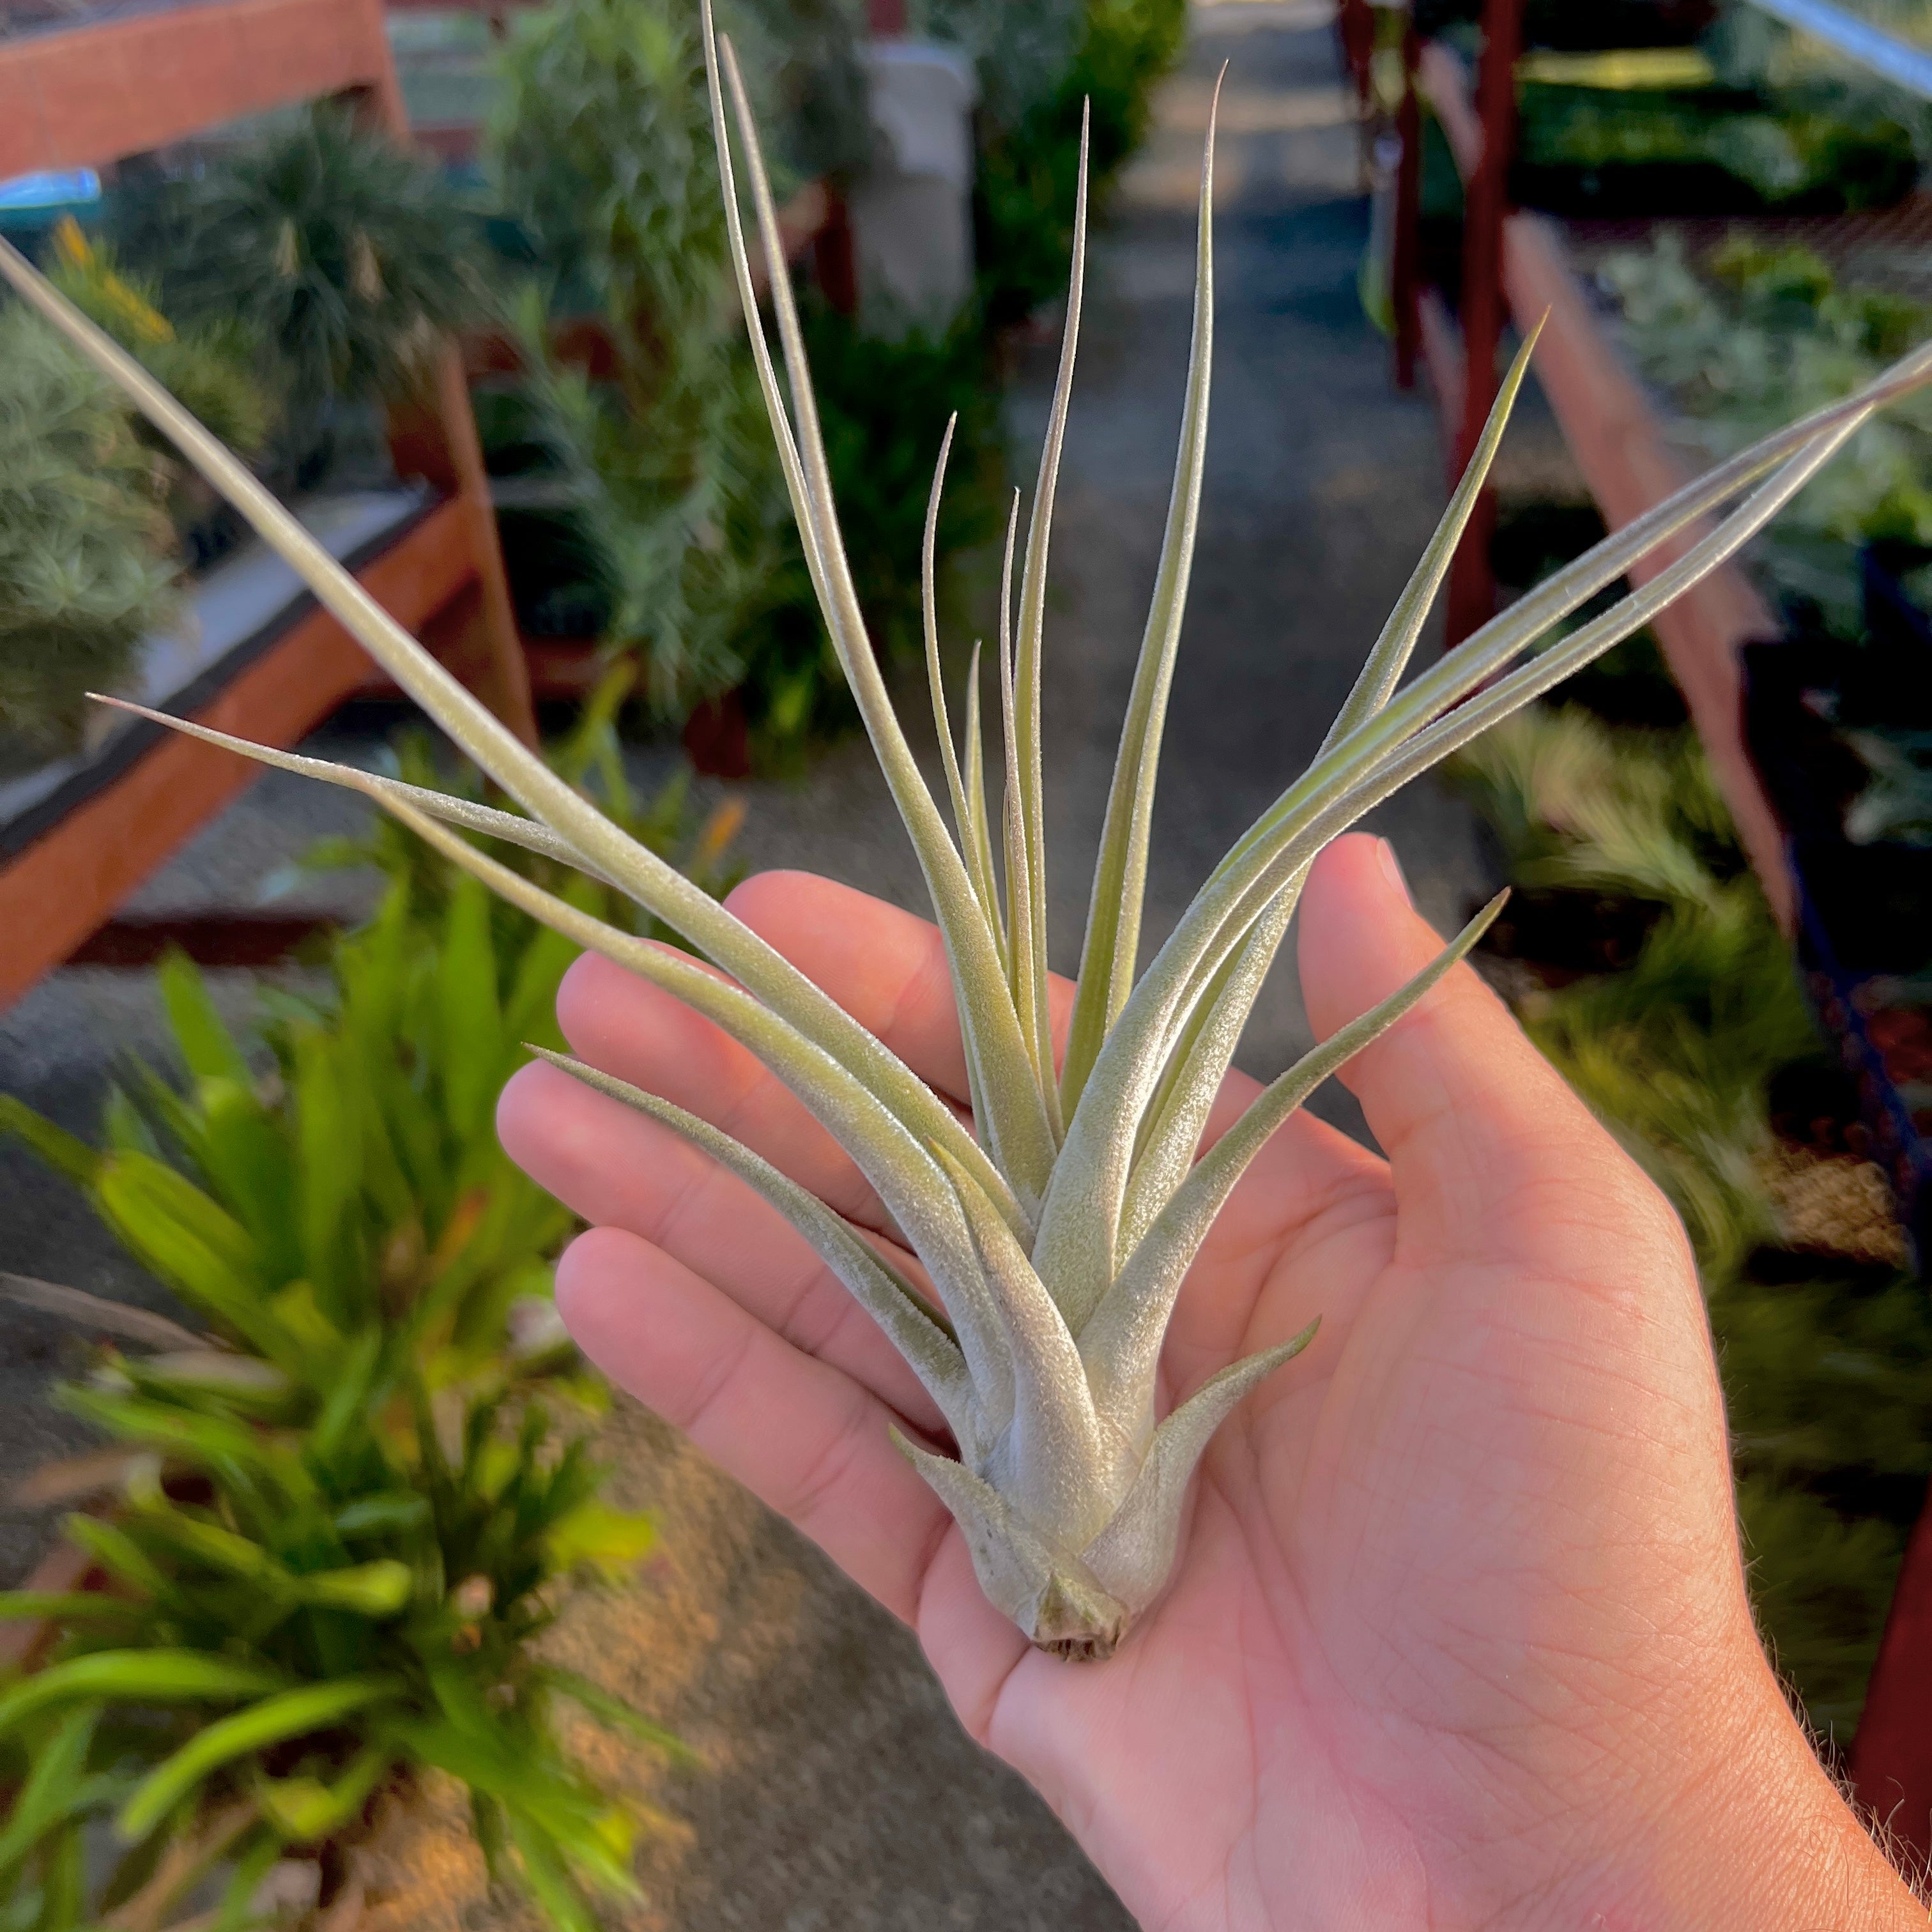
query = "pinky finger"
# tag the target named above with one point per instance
(803, 1437)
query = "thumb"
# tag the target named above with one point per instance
(1490, 1151)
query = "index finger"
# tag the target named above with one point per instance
(886, 967)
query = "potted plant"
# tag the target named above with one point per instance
(346, 1506)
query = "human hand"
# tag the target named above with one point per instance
(1459, 1635)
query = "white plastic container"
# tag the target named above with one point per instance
(912, 214)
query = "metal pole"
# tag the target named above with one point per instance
(1891, 1758)
(1471, 600)
(1405, 269)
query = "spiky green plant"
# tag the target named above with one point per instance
(86, 561)
(347, 257)
(1056, 1230)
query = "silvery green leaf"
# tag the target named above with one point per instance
(1112, 943)
(922, 1334)
(1131, 1558)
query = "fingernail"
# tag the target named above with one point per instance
(1392, 869)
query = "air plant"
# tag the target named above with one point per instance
(1056, 1229)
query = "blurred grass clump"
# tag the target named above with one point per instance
(347, 1504)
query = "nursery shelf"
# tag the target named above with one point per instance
(88, 85)
(108, 82)
(1622, 446)
(68, 857)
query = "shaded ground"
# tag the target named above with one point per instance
(837, 1791)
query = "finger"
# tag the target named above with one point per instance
(804, 1438)
(641, 1033)
(1475, 1122)
(616, 1168)
(887, 968)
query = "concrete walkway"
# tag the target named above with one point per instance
(850, 1799)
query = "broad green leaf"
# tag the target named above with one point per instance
(206, 1046)
(392, 1514)
(246, 1155)
(193, 1244)
(202, 1541)
(121, 1556)
(58, 1148)
(67, 1606)
(472, 1020)
(382, 1588)
(612, 1541)
(274, 1720)
(544, 1872)
(305, 1809)
(317, 1342)
(612, 1712)
(218, 1443)
(57, 1786)
(352, 1377)
(244, 1384)
(328, 1135)
(134, 1677)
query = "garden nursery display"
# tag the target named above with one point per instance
(1055, 1232)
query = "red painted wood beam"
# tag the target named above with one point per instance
(1471, 598)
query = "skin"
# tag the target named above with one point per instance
(1459, 1635)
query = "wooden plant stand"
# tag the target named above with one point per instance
(139, 79)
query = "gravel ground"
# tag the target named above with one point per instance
(1322, 486)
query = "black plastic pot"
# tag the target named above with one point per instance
(1864, 911)
(1892, 619)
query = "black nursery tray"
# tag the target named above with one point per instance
(1864, 911)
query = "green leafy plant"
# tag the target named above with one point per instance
(1021, 49)
(214, 368)
(601, 149)
(347, 257)
(86, 568)
(1751, 331)
(346, 1510)
(1777, 152)
(211, 367)
(1030, 172)
(1057, 1230)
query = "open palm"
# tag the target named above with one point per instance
(1459, 1635)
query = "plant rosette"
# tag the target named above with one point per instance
(345, 1512)
(1051, 1235)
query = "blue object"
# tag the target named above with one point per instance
(58, 187)
(1899, 61)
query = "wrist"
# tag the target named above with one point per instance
(1750, 1835)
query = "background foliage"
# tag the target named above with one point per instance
(86, 562)
(603, 149)
(347, 1513)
